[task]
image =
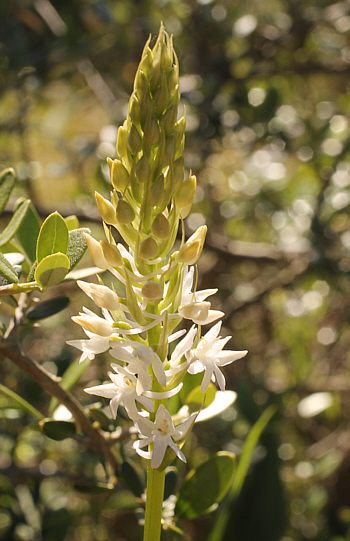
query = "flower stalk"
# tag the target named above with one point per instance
(150, 196)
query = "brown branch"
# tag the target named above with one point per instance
(50, 383)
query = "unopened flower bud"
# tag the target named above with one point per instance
(106, 209)
(134, 109)
(96, 325)
(96, 252)
(161, 227)
(134, 140)
(120, 177)
(142, 169)
(157, 191)
(122, 139)
(152, 291)
(124, 212)
(103, 296)
(111, 254)
(192, 249)
(184, 196)
(148, 248)
(178, 172)
(161, 98)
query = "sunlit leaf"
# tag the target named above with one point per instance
(196, 399)
(7, 181)
(72, 222)
(53, 237)
(7, 271)
(51, 270)
(17, 219)
(76, 246)
(28, 232)
(205, 486)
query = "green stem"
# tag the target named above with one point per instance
(13, 289)
(154, 504)
(22, 402)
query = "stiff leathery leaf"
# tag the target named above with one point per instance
(53, 237)
(7, 181)
(51, 270)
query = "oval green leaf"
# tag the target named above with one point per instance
(48, 308)
(76, 246)
(14, 224)
(7, 181)
(51, 270)
(7, 271)
(58, 430)
(28, 232)
(205, 486)
(53, 237)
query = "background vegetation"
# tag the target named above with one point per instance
(266, 90)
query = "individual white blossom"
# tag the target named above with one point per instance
(138, 358)
(162, 433)
(94, 345)
(103, 296)
(209, 357)
(92, 323)
(123, 389)
(193, 305)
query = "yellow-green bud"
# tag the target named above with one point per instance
(161, 97)
(106, 209)
(185, 194)
(152, 291)
(103, 296)
(170, 148)
(120, 177)
(178, 172)
(151, 133)
(134, 140)
(143, 169)
(111, 254)
(122, 139)
(96, 252)
(168, 120)
(148, 248)
(192, 249)
(146, 105)
(155, 69)
(124, 212)
(157, 191)
(161, 227)
(134, 109)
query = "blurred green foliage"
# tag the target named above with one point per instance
(266, 90)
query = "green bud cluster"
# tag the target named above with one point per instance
(150, 194)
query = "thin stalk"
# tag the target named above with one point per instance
(154, 504)
(25, 405)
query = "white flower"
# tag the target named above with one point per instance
(162, 434)
(181, 349)
(92, 323)
(93, 346)
(123, 389)
(103, 296)
(138, 358)
(192, 305)
(208, 357)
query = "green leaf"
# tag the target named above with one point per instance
(76, 246)
(70, 377)
(51, 270)
(196, 399)
(205, 486)
(48, 308)
(132, 478)
(7, 181)
(17, 219)
(58, 430)
(248, 449)
(53, 237)
(28, 232)
(253, 437)
(72, 222)
(7, 271)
